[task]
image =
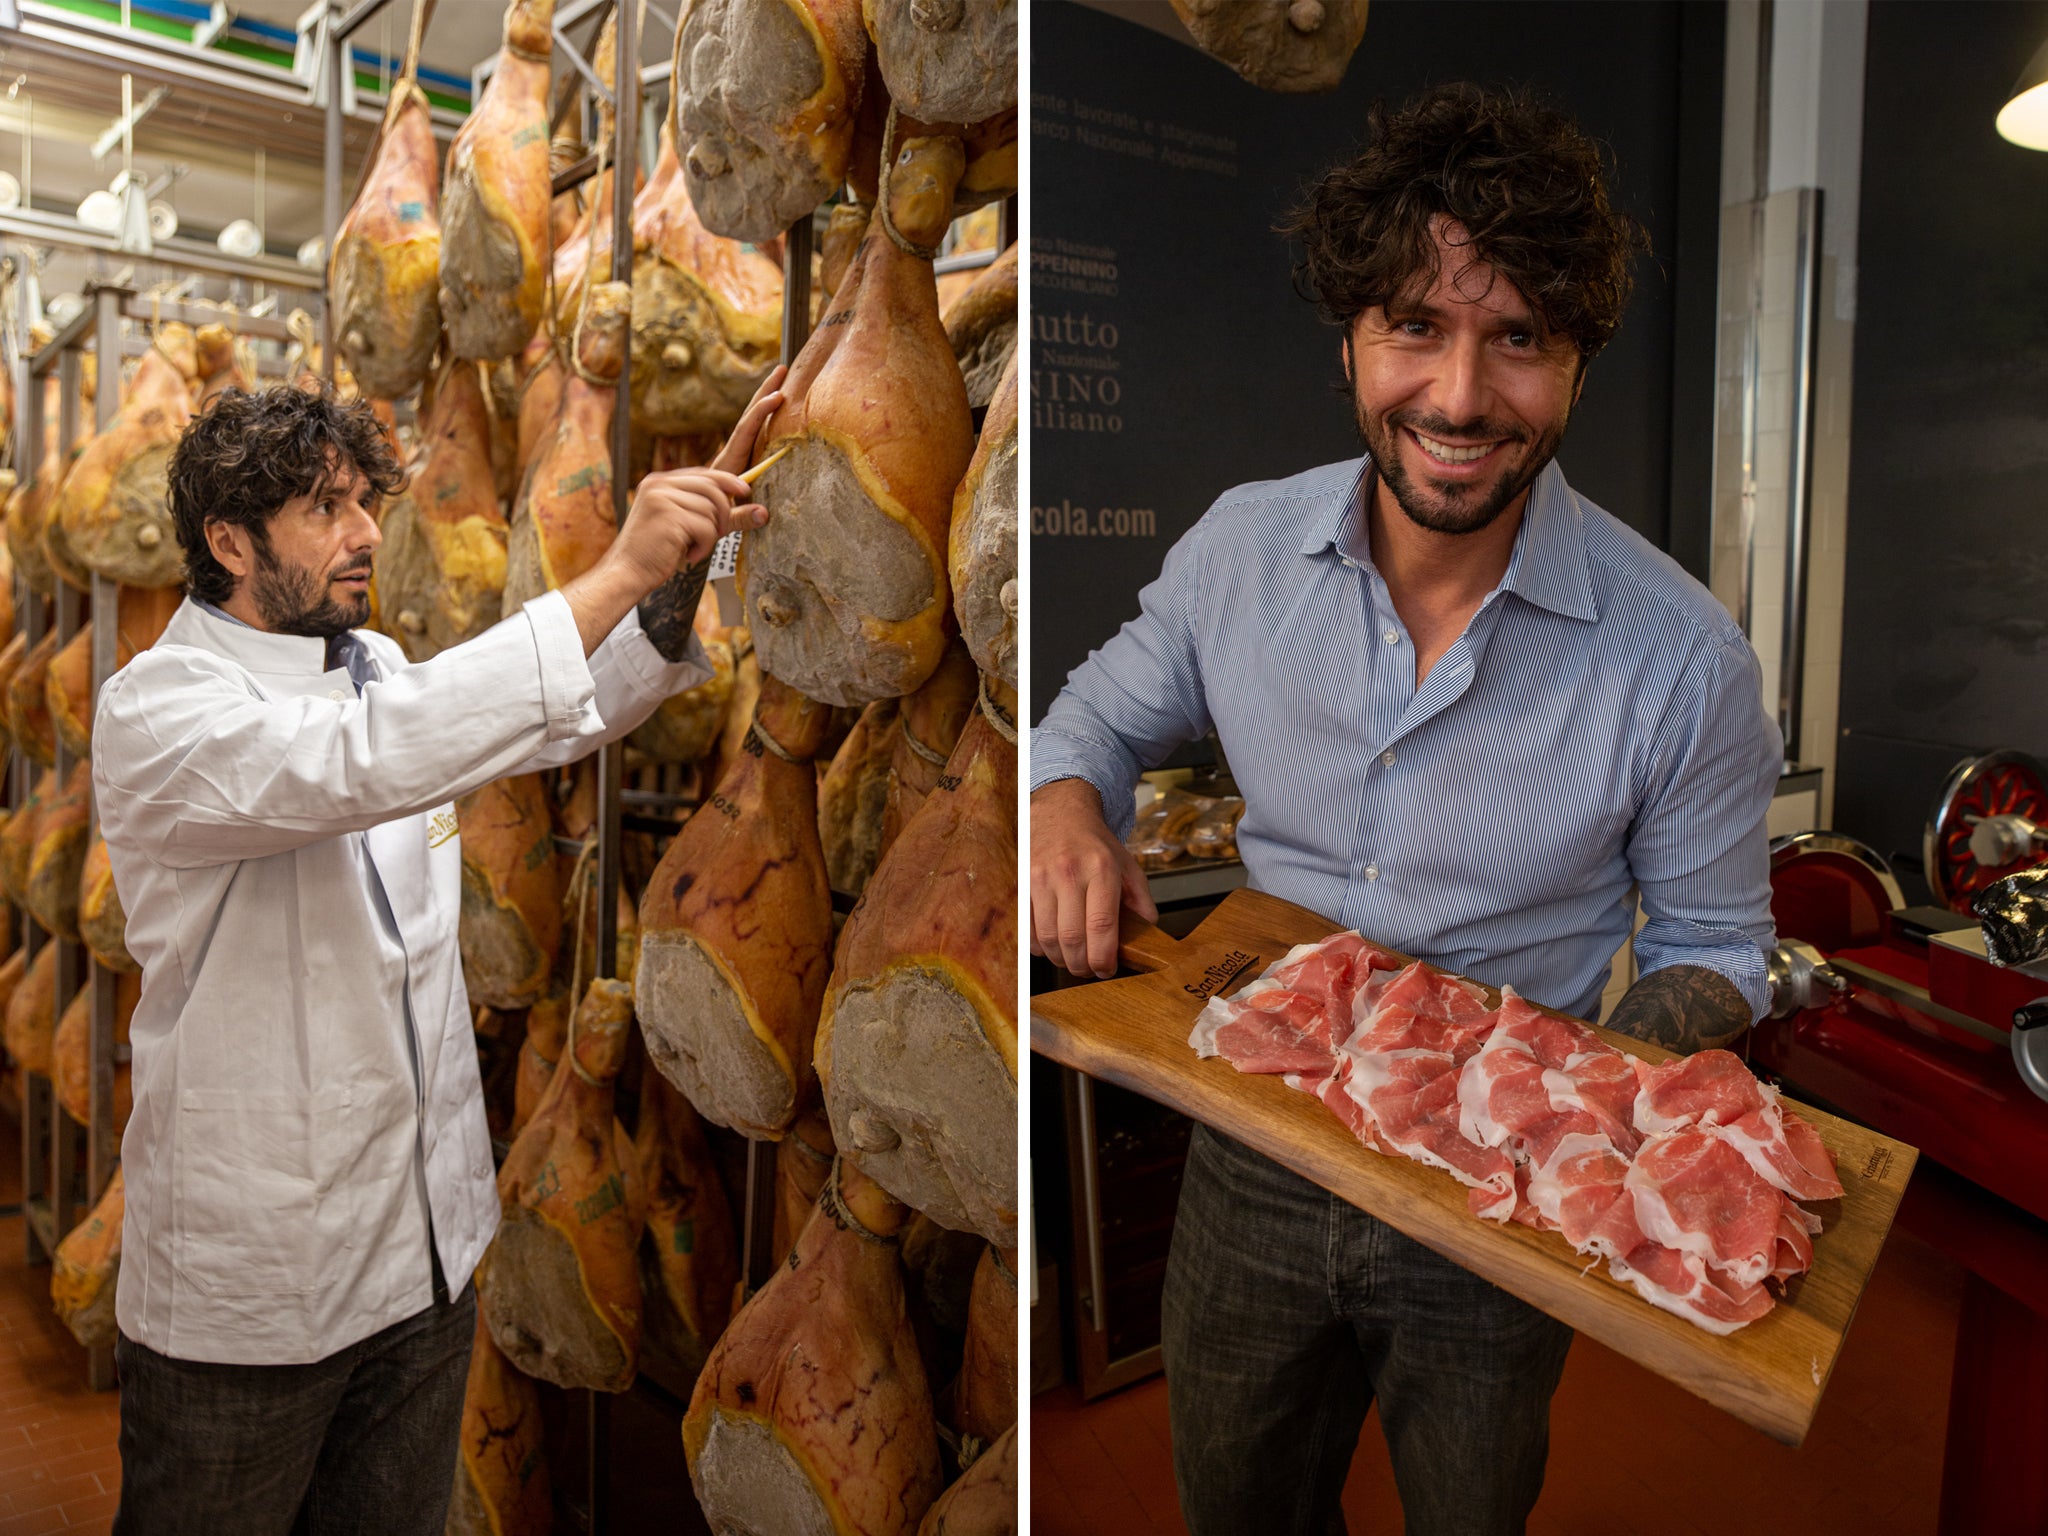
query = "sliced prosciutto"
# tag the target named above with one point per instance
(1715, 1090)
(1294, 1018)
(1684, 1177)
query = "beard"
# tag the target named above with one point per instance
(1445, 507)
(294, 601)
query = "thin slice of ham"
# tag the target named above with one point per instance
(1294, 1018)
(1681, 1283)
(1715, 1090)
(1694, 1192)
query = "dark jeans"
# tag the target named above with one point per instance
(362, 1442)
(1288, 1310)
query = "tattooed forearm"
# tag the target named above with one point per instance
(1684, 1008)
(670, 610)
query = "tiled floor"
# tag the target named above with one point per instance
(1630, 1453)
(58, 1466)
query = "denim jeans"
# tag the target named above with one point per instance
(363, 1442)
(1287, 1311)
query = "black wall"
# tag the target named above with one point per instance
(1217, 373)
(1945, 620)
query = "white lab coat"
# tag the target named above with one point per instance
(273, 1207)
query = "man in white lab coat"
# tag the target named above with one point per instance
(309, 1177)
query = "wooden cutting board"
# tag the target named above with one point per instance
(1134, 1032)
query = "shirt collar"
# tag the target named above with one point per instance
(210, 628)
(1548, 567)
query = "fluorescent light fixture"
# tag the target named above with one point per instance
(2024, 119)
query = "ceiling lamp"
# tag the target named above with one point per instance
(2024, 119)
(313, 253)
(100, 212)
(241, 238)
(10, 192)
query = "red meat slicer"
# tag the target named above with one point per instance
(1898, 1017)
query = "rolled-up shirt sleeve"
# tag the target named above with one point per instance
(1134, 700)
(1698, 848)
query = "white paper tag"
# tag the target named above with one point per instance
(725, 557)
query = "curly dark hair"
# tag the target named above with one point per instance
(243, 457)
(1525, 181)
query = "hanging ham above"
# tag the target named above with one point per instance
(142, 613)
(32, 1014)
(946, 61)
(984, 1399)
(845, 586)
(385, 279)
(765, 95)
(440, 571)
(928, 728)
(917, 1042)
(814, 1405)
(1304, 46)
(1684, 1177)
(803, 1161)
(564, 518)
(736, 930)
(853, 795)
(511, 926)
(495, 243)
(86, 1266)
(71, 1060)
(984, 1500)
(112, 515)
(28, 703)
(57, 858)
(501, 1475)
(983, 544)
(690, 1258)
(982, 326)
(102, 924)
(547, 1032)
(225, 362)
(707, 311)
(560, 1284)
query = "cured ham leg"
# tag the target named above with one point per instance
(58, 857)
(982, 326)
(984, 1500)
(85, 1267)
(736, 931)
(1304, 46)
(28, 703)
(32, 1015)
(101, 918)
(564, 518)
(917, 1043)
(707, 311)
(803, 1161)
(441, 569)
(845, 587)
(928, 729)
(141, 616)
(385, 279)
(765, 95)
(946, 61)
(511, 926)
(813, 1416)
(501, 1477)
(71, 1059)
(495, 241)
(560, 1285)
(853, 795)
(547, 1032)
(983, 545)
(690, 1261)
(112, 514)
(985, 1396)
(687, 725)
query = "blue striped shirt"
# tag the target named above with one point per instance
(1598, 725)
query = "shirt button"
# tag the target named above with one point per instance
(336, 693)
(1372, 871)
(1391, 638)
(1387, 757)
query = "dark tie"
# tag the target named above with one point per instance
(345, 650)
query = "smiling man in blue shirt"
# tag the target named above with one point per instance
(1469, 712)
